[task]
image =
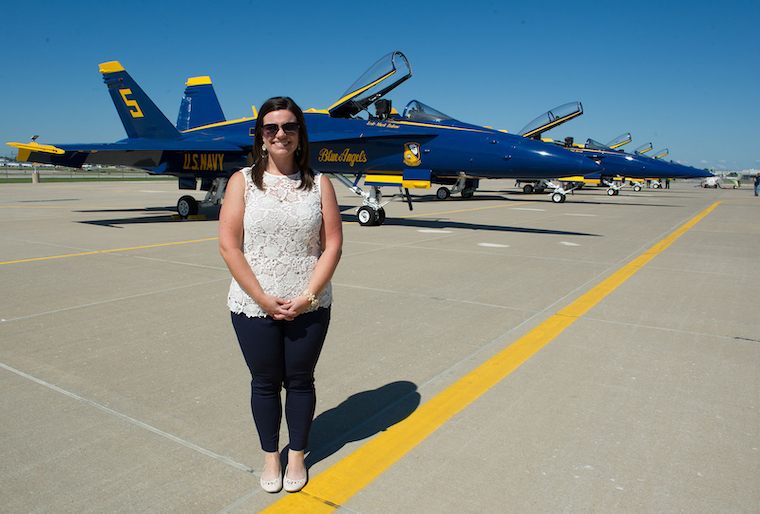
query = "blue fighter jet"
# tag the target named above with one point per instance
(616, 163)
(405, 150)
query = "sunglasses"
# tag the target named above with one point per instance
(271, 129)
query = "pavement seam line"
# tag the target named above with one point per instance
(330, 489)
(110, 300)
(141, 424)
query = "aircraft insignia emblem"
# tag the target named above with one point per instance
(412, 154)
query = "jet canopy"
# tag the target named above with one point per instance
(596, 145)
(382, 77)
(551, 119)
(418, 111)
(622, 139)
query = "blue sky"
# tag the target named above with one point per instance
(681, 75)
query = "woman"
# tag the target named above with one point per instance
(280, 234)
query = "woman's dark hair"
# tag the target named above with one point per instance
(302, 155)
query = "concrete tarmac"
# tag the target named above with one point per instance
(122, 388)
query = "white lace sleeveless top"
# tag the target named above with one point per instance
(281, 240)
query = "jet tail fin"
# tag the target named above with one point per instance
(199, 106)
(139, 115)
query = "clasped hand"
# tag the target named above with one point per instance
(284, 310)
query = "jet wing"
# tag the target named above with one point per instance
(139, 153)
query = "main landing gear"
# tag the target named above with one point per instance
(372, 212)
(368, 216)
(559, 195)
(462, 185)
(188, 206)
(613, 188)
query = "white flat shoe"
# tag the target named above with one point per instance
(271, 486)
(293, 486)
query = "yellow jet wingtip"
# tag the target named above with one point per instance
(110, 67)
(36, 147)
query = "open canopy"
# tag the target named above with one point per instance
(551, 119)
(596, 145)
(622, 139)
(382, 77)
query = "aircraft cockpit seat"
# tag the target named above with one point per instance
(383, 109)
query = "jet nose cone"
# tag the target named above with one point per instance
(566, 163)
(546, 160)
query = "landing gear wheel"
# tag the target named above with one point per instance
(558, 198)
(442, 193)
(367, 216)
(611, 192)
(637, 188)
(187, 206)
(380, 216)
(528, 189)
(468, 192)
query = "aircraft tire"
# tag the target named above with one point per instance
(468, 192)
(611, 192)
(528, 189)
(187, 206)
(442, 193)
(380, 216)
(367, 216)
(558, 198)
(637, 188)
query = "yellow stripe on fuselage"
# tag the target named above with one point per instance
(395, 180)
(221, 123)
(430, 125)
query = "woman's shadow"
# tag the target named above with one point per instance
(360, 416)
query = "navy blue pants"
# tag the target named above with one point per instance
(282, 354)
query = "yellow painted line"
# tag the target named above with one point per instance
(334, 486)
(108, 251)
